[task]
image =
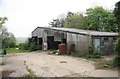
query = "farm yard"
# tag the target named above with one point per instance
(44, 65)
(63, 41)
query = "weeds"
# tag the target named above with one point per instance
(104, 64)
(2, 63)
(30, 73)
(79, 54)
(95, 57)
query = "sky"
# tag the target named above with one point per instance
(25, 15)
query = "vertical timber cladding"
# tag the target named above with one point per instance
(81, 42)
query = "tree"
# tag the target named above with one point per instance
(75, 20)
(101, 20)
(2, 21)
(6, 39)
(117, 15)
(96, 18)
(57, 23)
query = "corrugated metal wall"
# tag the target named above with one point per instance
(81, 42)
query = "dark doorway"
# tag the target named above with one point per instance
(40, 43)
(56, 43)
(51, 43)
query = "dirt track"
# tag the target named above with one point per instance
(44, 65)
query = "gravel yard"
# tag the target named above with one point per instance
(44, 65)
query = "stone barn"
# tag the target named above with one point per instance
(75, 39)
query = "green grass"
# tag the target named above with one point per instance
(95, 59)
(2, 63)
(14, 50)
(100, 63)
(80, 54)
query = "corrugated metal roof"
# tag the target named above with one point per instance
(84, 32)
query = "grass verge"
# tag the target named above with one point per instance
(100, 63)
(2, 63)
(14, 50)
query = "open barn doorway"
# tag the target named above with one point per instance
(40, 43)
(52, 45)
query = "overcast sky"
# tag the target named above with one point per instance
(25, 15)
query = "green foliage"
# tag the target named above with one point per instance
(75, 20)
(100, 63)
(101, 19)
(14, 50)
(96, 18)
(30, 73)
(117, 48)
(2, 63)
(117, 44)
(79, 54)
(2, 21)
(28, 46)
(116, 61)
(33, 46)
(117, 13)
(86, 54)
(24, 46)
(7, 39)
(57, 23)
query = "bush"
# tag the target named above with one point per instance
(24, 46)
(116, 62)
(86, 54)
(100, 63)
(28, 46)
(79, 54)
(33, 46)
(117, 48)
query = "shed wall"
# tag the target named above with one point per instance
(81, 42)
(107, 44)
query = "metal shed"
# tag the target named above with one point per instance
(80, 39)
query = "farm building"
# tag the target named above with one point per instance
(75, 39)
